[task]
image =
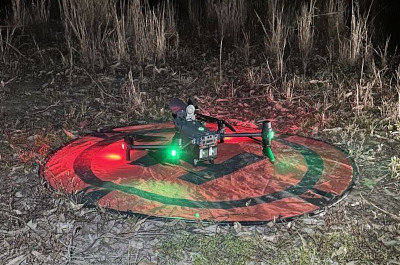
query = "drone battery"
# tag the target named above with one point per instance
(203, 154)
(206, 152)
(212, 151)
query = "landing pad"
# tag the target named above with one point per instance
(241, 186)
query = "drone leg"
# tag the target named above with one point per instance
(266, 134)
(128, 144)
(128, 153)
(221, 130)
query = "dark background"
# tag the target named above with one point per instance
(385, 14)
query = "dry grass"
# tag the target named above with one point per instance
(99, 33)
(305, 30)
(153, 31)
(195, 14)
(276, 35)
(357, 46)
(7, 35)
(335, 12)
(30, 13)
(231, 16)
(395, 167)
(398, 91)
(132, 97)
(87, 29)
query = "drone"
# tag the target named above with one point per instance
(195, 140)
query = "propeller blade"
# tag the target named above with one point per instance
(207, 118)
(146, 138)
(193, 102)
(176, 105)
(229, 126)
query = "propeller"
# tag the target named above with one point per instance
(147, 138)
(207, 118)
(176, 105)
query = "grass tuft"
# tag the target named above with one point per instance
(99, 33)
(305, 30)
(395, 167)
(231, 16)
(357, 47)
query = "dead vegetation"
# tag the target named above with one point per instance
(314, 67)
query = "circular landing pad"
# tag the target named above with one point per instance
(242, 185)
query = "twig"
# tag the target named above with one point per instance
(97, 84)
(15, 49)
(51, 106)
(71, 243)
(382, 210)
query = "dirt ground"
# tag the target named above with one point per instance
(42, 111)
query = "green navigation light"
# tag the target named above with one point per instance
(173, 152)
(201, 129)
(196, 215)
(271, 135)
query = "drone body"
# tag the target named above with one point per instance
(201, 141)
(195, 140)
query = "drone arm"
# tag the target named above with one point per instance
(242, 135)
(266, 138)
(129, 144)
(148, 147)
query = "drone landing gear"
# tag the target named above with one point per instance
(196, 162)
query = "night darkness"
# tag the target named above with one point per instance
(386, 13)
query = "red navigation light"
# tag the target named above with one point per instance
(113, 157)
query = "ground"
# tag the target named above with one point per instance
(44, 110)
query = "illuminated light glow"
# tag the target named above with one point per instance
(196, 215)
(201, 129)
(113, 157)
(123, 146)
(271, 134)
(173, 152)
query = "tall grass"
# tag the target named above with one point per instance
(87, 29)
(305, 30)
(195, 14)
(19, 12)
(39, 12)
(398, 91)
(276, 34)
(273, 35)
(154, 31)
(30, 13)
(101, 33)
(231, 16)
(335, 13)
(357, 46)
(133, 98)
(7, 35)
